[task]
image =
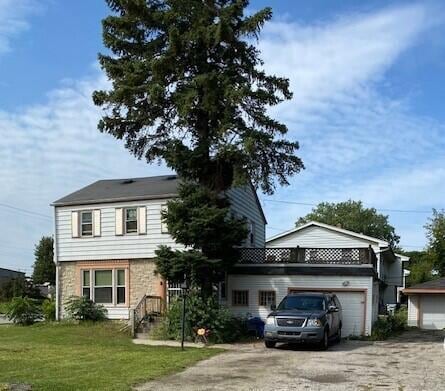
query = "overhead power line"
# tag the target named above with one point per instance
(379, 209)
(26, 211)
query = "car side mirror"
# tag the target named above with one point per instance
(273, 307)
(332, 308)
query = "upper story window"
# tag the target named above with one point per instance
(251, 237)
(131, 220)
(86, 223)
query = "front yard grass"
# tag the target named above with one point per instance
(63, 356)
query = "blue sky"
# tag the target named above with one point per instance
(368, 82)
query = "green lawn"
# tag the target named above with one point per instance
(85, 357)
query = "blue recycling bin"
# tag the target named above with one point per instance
(256, 325)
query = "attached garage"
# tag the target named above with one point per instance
(426, 305)
(354, 293)
(353, 304)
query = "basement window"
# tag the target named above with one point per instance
(240, 298)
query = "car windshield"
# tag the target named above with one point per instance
(302, 303)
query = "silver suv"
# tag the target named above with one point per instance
(305, 317)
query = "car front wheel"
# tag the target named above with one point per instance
(324, 343)
(269, 344)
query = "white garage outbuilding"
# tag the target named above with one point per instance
(426, 305)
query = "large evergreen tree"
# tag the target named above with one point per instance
(352, 215)
(44, 267)
(188, 88)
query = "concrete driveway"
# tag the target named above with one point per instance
(412, 361)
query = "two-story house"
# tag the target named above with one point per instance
(106, 235)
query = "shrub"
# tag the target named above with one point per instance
(390, 325)
(201, 313)
(49, 310)
(18, 287)
(81, 308)
(23, 311)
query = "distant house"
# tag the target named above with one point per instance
(426, 304)
(7, 275)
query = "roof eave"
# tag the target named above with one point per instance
(111, 200)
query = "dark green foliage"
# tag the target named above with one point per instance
(44, 266)
(18, 287)
(23, 311)
(83, 309)
(49, 310)
(389, 326)
(201, 220)
(188, 88)
(202, 313)
(436, 240)
(353, 216)
(420, 265)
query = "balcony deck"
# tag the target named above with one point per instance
(309, 256)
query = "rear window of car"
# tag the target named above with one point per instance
(302, 303)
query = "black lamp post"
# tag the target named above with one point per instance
(184, 289)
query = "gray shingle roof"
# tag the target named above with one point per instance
(433, 284)
(131, 189)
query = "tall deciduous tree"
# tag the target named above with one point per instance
(44, 267)
(435, 229)
(188, 88)
(352, 215)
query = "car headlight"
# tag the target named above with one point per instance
(270, 320)
(314, 323)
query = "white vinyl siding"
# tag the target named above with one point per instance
(357, 303)
(244, 204)
(413, 310)
(110, 245)
(320, 237)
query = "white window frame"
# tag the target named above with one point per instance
(113, 301)
(114, 280)
(86, 285)
(135, 232)
(81, 224)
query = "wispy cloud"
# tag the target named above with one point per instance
(48, 151)
(13, 20)
(356, 141)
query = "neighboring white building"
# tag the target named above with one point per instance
(426, 305)
(363, 271)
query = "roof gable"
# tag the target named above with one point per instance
(336, 230)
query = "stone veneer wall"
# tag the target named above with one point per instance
(67, 283)
(142, 279)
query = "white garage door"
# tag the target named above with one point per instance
(353, 309)
(433, 311)
(353, 306)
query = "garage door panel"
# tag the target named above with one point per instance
(433, 312)
(353, 309)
